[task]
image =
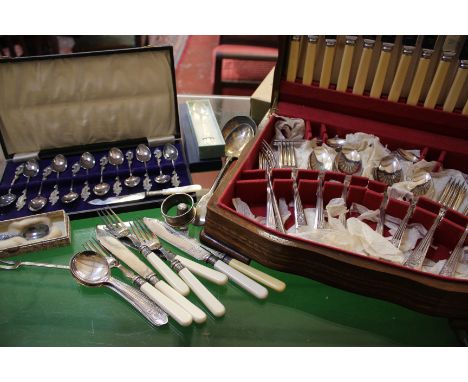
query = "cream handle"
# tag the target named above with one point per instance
(363, 71)
(418, 81)
(465, 109)
(168, 274)
(436, 85)
(309, 64)
(243, 281)
(175, 190)
(400, 77)
(345, 68)
(293, 60)
(259, 276)
(205, 296)
(203, 271)
(198, 315)
(380, 74)
(327, 66)
(456, 89)
(170, 307)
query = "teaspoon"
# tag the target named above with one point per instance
(143, 155)
(91, 269)
(39, 201)
(71, 196)
(31, 169)
(59, 165)
(87, 161)
(102, 187)
(9, 198)
(171, 153)
(389, 170)
(132, 180)
(161, 178)
(116, 158)
(32, 232)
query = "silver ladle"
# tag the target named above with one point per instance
(59, 165)
(171, 153)
(31, 169)
(87, 161)
(39, 201)
(91, 269)
(32, 232)
(235, 142)
(9, 198)
(71, 196)
(116, 158)
(132, 180)
(102, 187)
(161, 178)
(143, 155)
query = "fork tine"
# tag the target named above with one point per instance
(105, 220)
(117, 217)
(145, 229)
(445, 191)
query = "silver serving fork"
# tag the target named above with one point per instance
(271, 163)
(451, 197)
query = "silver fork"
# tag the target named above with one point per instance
(118, 229)
(451, 197)
(270, 163)
(270, 216)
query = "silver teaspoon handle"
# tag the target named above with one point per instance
(139, 301)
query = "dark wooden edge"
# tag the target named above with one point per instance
(216, 244)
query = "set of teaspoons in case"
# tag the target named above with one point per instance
(115, 157)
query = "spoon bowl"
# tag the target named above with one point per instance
(238, 139)
(336, 142)
(143, 153)
(70, 197)
(59, 163)
(389, 170)
(116, 157)
(87, 160)
(348, 161)
(101, 189)
(32, 232)
(7, 199)
(424, 183)
(170, 152)
(90, 269)
(320, 159)
(407, 155)
(37, 203)
(161, 178)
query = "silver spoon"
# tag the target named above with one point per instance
(407, 155)
(235, 142)
(87, 161)
(9, 198)
(102, 187)
(424, 181)
(91, 269)
(9, 264)
(31, 169)
(143, 155)
(389, 170)
(116, 158)
(39, 201)
(171, 153)
(71, 196)
(161, 178)
(59, 165)
(32, 232)
(336, 142)
(132, 180)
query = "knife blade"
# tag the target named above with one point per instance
(144, 195)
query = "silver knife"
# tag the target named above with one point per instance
(144, 195)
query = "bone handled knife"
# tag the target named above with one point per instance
(459, 80)
(409, 46)
(346, 62)
(327, 65)
(388, 43)
(428, 44)
(311, 55)
(448, 55)
(364, 65)
(293, 58)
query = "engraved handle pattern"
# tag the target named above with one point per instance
(139, 301)
(396, 240)
(276, 211)
(418, 255)
(381, 223)
(298, 209)
(450, 266)
(319, 218)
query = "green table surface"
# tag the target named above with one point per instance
(47, 307)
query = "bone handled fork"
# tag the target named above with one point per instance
(118, 229)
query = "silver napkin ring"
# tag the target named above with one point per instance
(186, 210)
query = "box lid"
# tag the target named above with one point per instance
(60, 101)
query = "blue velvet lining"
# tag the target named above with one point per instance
(110, 173)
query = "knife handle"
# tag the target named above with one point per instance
(436, 85)
(400, 75)
(418, 81)
(259, 276)
(203, 271)
(205, 296)
(243, 281)
(380, 74)
(363, 70)
(175, 190)
(170, 307)
(327, 66)
(198, 315)
(168, 274)
(456, 89)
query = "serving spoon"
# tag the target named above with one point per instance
(235, 142)
(92, 269)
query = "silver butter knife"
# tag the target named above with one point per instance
(144, 195)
